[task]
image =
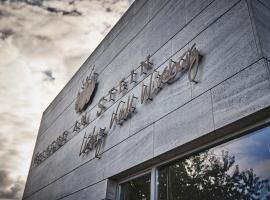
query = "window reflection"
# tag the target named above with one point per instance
(136, 189)
(239, 169)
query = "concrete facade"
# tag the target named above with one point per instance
(233, 92)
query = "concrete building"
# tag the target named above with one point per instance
(173, 104)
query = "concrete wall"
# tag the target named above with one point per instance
(234, 82)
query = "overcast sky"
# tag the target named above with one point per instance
(42, 44)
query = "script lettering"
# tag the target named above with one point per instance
(123, 111)
(93, 141)
(101, 106)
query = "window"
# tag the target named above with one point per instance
(236, 170)
(239, 169)
(136, 189)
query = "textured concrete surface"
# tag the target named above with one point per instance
(233, 83)
(260, 12)
(246, 92)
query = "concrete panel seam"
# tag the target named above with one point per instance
(263, 4)
(254, 27)
(186, 11)
(267, 65)
(212, 109)
(80, 190)
(157, 51)
(187, 23)
(24, 198)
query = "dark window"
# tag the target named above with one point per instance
(236, 170)
(136, 189)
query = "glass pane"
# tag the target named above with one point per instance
(237, 170)
(136, 189)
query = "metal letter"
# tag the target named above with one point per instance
(132, 76)
(146, 65)
(123, 86)
(193, 63)
(112, 93)
(101, 106)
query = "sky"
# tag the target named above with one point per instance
(42, 44)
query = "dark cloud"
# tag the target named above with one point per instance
(42, 38)
(73, 12)
(40, 3)
(10, 188)
(2, 13)
(4, 179)
(5, 33)
(31, 2)
(13, 152)
(48, 74)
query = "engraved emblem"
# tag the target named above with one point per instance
(85, 93)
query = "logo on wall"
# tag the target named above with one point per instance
(86, 92)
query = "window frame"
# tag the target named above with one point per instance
(221, 140)
(132, 177)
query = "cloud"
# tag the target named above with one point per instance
(10, 188)
(108, 9)
(4, 179)
(40, 4)
(43, 43)
(48, 74)
(63, 12)
(5, 33)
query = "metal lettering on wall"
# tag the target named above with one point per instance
(187, 63)
(123, 111)
(39, 157)
(93, 141)
(53, 147)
